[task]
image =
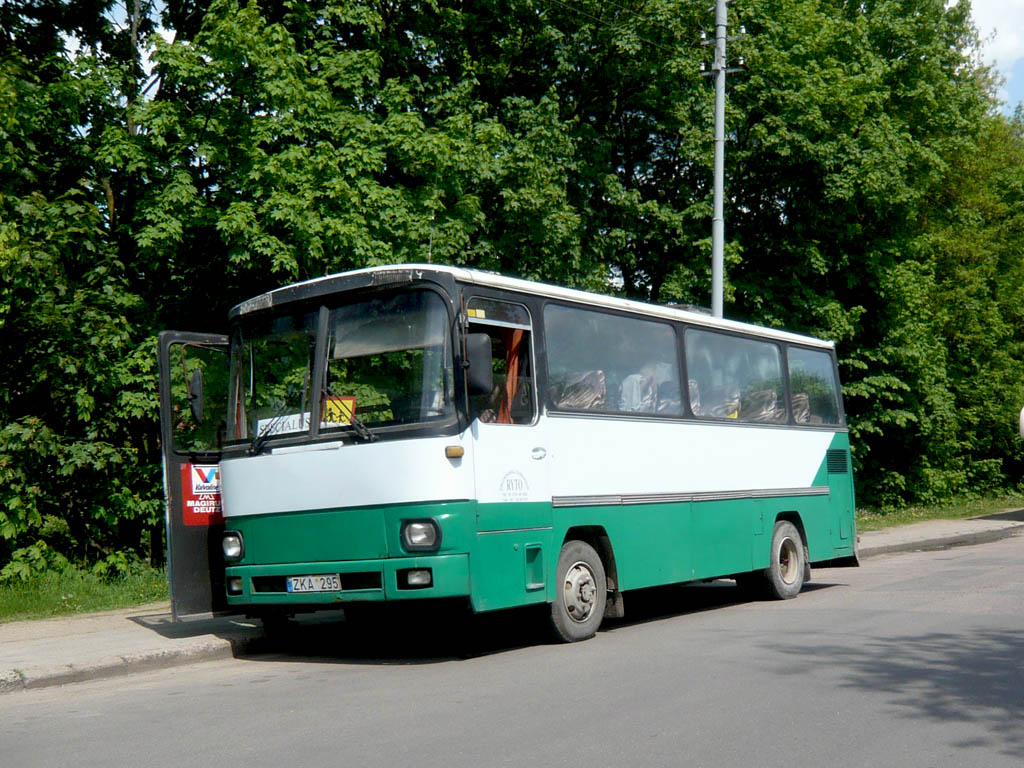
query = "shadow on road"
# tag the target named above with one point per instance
(656, 603)
(383, 634)
(1013, 514)
(425, 634)
(221, 626)
(944, 678)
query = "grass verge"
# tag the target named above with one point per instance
(874, 520)
(75, 591)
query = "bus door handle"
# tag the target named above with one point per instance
(538, 453)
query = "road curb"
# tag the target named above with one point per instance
(215, 648)
(957, 540)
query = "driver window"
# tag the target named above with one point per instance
(511, 400)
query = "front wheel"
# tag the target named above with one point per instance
(788, 563)
(581, 593)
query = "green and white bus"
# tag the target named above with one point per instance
(422, 432)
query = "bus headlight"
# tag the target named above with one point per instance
(232, 545)
(421, 535)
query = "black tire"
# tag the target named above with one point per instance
(581, 591)
(786, 570)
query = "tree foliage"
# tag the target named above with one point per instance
(78, 454)
(159, 163)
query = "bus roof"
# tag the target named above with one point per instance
(322, 286)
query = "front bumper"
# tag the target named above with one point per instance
(361, 580)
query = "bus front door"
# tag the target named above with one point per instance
(193, 408)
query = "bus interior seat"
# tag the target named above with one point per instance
(639, 395)
(762, 406)
(802, 414)
(670, 398)
(521, 407)
(582, 391)
(722, 403)
(801, 408)
(488, 407)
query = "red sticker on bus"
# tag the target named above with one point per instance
(200, 492)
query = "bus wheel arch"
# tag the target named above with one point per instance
(597, 537)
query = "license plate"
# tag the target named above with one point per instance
(320, 582)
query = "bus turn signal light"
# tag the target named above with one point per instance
(454, 451)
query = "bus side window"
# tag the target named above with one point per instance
(815, 397)
(512, 400)
(734, 377)
(604, 362)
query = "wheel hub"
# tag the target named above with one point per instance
(789, 560)
(579, 592)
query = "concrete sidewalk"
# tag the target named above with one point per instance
(935, 534)
(37, 654)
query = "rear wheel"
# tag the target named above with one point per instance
(788, 564)
(581, 593)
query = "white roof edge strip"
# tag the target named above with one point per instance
(494, 280)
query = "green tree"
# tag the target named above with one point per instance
(78, 463)
(874, 196)
(853, 125)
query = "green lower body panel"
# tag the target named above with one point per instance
(361, 544)
(511, 568)
(650, 542)
(655, 544)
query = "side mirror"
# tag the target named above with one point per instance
(480, 374)
(195, 395)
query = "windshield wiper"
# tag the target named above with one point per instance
(360, 428)
(358, 425)
(267, 432)
(261, 439)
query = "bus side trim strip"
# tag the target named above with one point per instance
(615, 500)
(515, 530)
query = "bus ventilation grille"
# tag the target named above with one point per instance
(836, 461)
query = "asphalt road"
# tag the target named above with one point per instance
(913, 660)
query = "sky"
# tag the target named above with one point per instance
(1001, 26)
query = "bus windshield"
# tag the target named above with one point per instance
(271, 371)
(388, 363)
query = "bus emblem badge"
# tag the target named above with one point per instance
(514, 487)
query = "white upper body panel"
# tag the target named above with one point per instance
(557, 457)
(336, 475)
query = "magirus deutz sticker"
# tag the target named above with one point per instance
(200, 490)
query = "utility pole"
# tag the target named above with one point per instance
(719, 70)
